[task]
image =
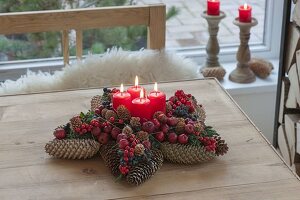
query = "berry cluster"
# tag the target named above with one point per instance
(172, 129)
(131, 151)
(209, 143)
(182, 105)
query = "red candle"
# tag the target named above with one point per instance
(122, 98)
(141, 107)
(213, 7)
(245, 13)
(157, 100)
(135, 90)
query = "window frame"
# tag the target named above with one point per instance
(267, 49)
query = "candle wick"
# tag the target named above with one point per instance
(140, 99)
(156, 93)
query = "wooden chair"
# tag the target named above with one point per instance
(153, 16)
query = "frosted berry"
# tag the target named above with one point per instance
(121, 136)
(148, 127)
(103, 138)
(60, 133)
(123, 143)
(183, 139)
(189, 128)
(172, 137)
(160, 136)
(115, 132)
(96, 131)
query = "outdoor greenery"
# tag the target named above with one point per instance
(45, 45)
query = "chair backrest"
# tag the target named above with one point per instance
(153, 16)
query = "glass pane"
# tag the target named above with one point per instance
(189, 29)
(30, 46)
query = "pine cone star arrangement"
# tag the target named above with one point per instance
(134, 148)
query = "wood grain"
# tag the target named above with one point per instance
(251, 169)
(157, 27)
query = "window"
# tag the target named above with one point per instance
(186, 31)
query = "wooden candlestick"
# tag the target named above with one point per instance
(212, 67)
(242, 73)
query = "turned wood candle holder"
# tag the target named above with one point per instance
(243, 73)
(212, 67)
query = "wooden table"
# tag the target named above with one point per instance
(251, 169)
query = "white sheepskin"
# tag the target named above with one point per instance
(114, 67)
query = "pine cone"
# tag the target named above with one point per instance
(109, 114)
(103, 112)
(185, 154)
(72, 148)
(199, 126)
(96, 102)
(135, 122)
(180, 127)
(75, 122)
(145, 170)
(111, 158)
(127, 131)
(218, 72)
(168, 107)
(260, 67)
(139, 149)
(222, 147)
(142, 135)
(123, 113)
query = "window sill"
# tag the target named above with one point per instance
(259, 86)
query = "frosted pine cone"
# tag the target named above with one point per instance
(139, 149)
(72, 148)
(95, 102)
(180, 127)
(109, 114)
(142, 135)
(135, 122)
(75, 122)
(103, 112)
(123, 113)
(127, 131)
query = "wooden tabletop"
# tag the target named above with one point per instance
(251, 169)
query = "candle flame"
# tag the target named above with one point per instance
(245, 6)
(122, 88)
(136, 82)
(155, 87)
(142, 93)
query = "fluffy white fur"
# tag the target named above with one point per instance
(114, 67)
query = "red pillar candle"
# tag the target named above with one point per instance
(157, 100)
(245, 13)
(213, 7)
(141, 107)
(135, 90)
(122, 98)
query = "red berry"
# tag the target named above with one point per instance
(156, 123)
(160, 136)
(96, 131)
(60, 133)
(183, 139)
(121, 136)
(77, 130)
(83, 126)
(121, 121)
(126, 159)
(133, 144)
(97, 124)
(98, 111)
(172, 137)
(84, 131)
(147, 144)
(123, 143)
(131, 154)
(164, 128)
(115, 132)
(148, 126)
(111, 119)
(189, 128)
(107, 129)
(196, 133)
(131, 150)
(103, 138)
(172, 121)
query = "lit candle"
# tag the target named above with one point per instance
(141, 107)
(136, 89)
(245, 13)
(213, 7)
(122, 98)
(157, 100)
